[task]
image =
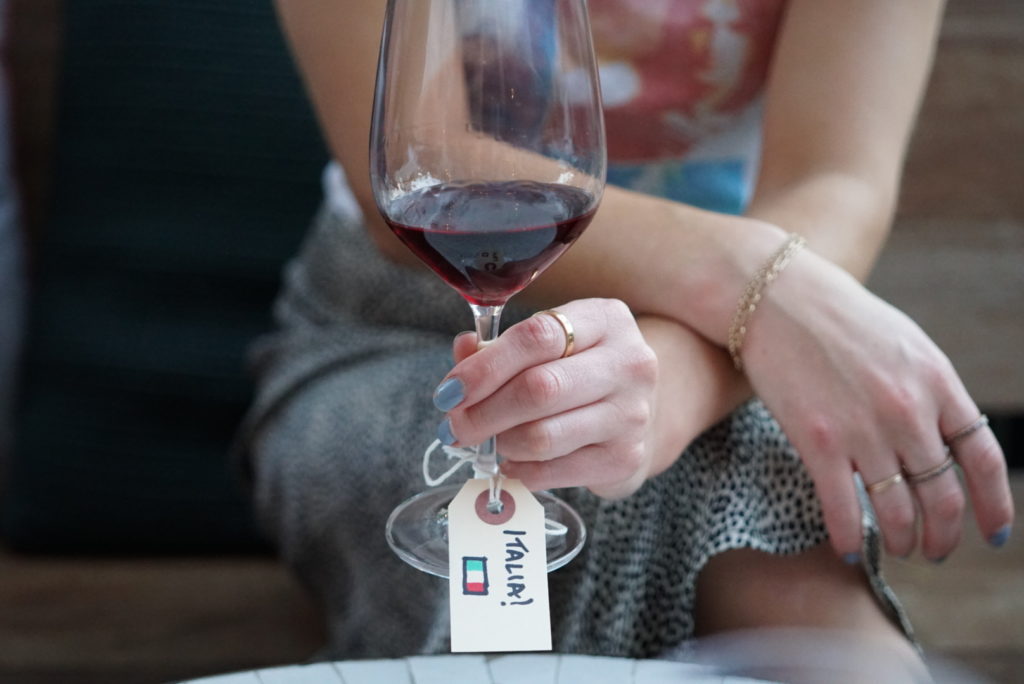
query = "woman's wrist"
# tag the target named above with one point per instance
(712, 287)
(755, 291)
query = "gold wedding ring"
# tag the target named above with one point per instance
(931, 473)
(967, 431)
(570, 334)
(882, 485)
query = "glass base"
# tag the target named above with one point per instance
(418, 530)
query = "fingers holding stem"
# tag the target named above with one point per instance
(560, 420)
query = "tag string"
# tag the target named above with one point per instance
(463, 456)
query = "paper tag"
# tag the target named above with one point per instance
(498, 574)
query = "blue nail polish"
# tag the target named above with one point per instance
(445, 434)
(1001, 537)
(449, 394)
(852, 559)
(939, 561)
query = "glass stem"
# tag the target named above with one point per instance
(488, 320)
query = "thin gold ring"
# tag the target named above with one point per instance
(931, 473)
(882, 485)
(570, 334)
(967, 431)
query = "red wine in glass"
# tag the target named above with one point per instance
(490, 240)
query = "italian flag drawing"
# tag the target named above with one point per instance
(474, 576)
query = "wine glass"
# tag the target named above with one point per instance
(487, 160)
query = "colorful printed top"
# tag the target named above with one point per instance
(681, 82)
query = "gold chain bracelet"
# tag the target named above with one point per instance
(752, 294)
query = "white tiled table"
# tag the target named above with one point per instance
(476, 669)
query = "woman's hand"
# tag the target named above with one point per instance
(859, 387)
(581, 420)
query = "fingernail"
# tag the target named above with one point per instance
(1001, 537)
(445, 434)
(939, 561)
(852, 558)
(449, 394)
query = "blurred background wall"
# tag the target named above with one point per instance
(12, 277)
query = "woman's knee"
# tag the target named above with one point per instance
(809, 614)
(748, 589)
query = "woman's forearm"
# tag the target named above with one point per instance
(662, 258)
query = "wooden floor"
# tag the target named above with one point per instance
(80, 620)
(145, 620)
